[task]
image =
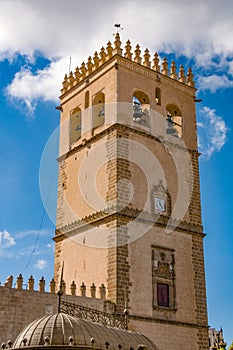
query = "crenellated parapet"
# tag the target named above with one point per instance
(53, 287)
(22, 301)
(144, 59)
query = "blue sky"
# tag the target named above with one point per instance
(36, 42)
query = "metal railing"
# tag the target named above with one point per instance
(86, 313)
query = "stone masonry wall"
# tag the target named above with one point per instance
(200, 291)
(19, 307)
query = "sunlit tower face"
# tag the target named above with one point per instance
(128, 212)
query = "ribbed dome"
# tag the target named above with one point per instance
(62, 329)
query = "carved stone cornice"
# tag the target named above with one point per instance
(170, 322)
(127, 215)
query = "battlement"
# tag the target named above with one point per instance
(21, 303)
(29, 286)
(106, 54)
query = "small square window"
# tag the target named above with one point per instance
(163, 294)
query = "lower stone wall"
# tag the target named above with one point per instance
(175, 337)
(20, 307)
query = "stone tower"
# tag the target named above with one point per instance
(128, 212)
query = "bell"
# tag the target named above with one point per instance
(137, 112)
(170, 130)
(78, 128)
(101, 113)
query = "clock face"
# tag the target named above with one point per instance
(160, 204)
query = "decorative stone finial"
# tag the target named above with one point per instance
(173, 74)
(71, 79)
(83, 289)
(77, 75)
(65, 84)
(147, 62)
(42, 285)
(31, 283)
(156, 65)
(52, 286)
(9, 282)
(73, 288)
(182, 78)
(128, 48)
(221, 334)
(102, 55)
(165, 66)
(109, 49)
(102, 290)
(89, 65)
(190, 80)
(117, 45)
(19, 282)
(83, 70)
(137, 57)
(93, 290)
(96, 60)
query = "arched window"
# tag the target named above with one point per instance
(98, 108)
(87, 98)
(141, 108)
(174, 121)
(75, 125)
(158, 96)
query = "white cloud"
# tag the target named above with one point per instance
(40, 264)
(58, 30)
(27, 88)
(50, 246)
(6, 240)
(212, 132)
(53, 28)
(214, 82)
(44, 232)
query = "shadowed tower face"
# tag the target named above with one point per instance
(128, 212)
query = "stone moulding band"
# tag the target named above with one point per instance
(103, 217)
(170, 322)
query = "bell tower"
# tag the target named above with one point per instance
(128, 210)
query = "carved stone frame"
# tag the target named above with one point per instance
(163, 271)
(160, 192)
